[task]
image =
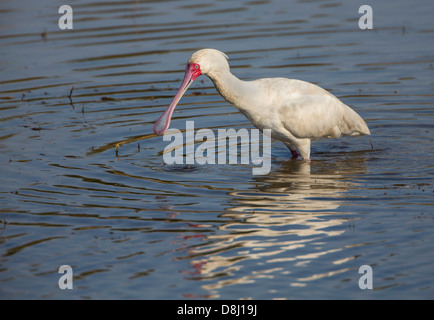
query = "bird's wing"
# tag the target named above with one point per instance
(308, 111)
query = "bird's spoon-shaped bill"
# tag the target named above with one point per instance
(192, 71)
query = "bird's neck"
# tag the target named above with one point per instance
(230, 87)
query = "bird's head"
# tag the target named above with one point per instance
(205, 61)
(209, 60)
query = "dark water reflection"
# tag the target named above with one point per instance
(83, 178)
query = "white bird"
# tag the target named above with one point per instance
(296, 111)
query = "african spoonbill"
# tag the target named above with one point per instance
(297, 112)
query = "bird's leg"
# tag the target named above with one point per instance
(304, 148)
(292, 149)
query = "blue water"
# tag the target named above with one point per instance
(132, 227)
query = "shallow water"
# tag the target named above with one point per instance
(132, 227)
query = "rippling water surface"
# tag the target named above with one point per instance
(83, 178)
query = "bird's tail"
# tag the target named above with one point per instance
(353, 124)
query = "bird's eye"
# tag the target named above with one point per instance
(196, 66)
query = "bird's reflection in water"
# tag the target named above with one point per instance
(283, 221)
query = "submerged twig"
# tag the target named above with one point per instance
(70, 96)
(4, 222)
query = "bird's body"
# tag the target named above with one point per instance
(297, 112)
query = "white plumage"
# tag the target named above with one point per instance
(296, 111)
